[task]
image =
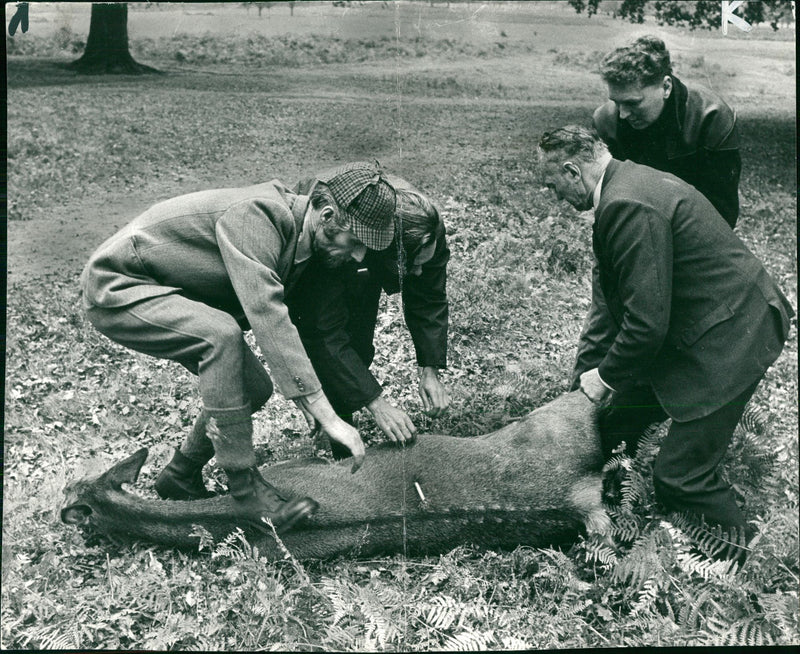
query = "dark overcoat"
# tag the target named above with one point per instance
(695, 138)
(682, 304)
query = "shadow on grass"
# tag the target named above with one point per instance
(768, 145)
(31, 72)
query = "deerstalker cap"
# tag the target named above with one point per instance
(363, 192)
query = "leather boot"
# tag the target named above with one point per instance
(255, 496)
(182, 479)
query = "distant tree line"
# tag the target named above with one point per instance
(705, 14)
(107, 49)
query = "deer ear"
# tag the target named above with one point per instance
(77, 514)
(126, 471)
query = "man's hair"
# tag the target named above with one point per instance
(322, 197)
(417, 216)
(572, 142)
(644, 62)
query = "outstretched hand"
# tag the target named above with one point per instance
(434, 395)
(393, 422)
(593, 387)
(348, 436)
(317, 406)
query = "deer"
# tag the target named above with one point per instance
(536, 481)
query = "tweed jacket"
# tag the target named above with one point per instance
(685, 305)
(232, 249)
(695, 138)
(325, 323)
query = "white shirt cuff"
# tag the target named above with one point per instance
(604, 383)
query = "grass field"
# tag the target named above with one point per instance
(453, 99)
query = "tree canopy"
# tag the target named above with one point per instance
(705, 14)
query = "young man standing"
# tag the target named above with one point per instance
(655, 119)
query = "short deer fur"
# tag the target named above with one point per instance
(534, 482)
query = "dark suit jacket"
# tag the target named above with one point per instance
(684, 305)
(694, 138)
(336, 311)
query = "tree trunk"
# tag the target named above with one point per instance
(107, 45)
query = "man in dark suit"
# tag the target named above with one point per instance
(691, 319)
(336, 313)
(655, 119)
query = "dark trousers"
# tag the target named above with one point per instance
(335, 312)
(686, 471)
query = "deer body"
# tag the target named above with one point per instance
(533, 482)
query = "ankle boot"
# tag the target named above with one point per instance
(255, 496)
(182, 479)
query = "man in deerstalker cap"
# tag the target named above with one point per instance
(184, 279)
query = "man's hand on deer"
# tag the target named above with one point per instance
(434, 395)
(348, 436)
(593, 386)
(393, 422)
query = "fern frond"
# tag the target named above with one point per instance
(617, 462)
(634, 489)
(641, 563)
(621, 484)
(697, 564)
(751, 632)
(646, 600)
(377, 617)
(755, 419)
(441, 612)
(596, 551)
(711, 540)
(55, 637)
(234, 546)
(646, 450)
(691, 613)
(341, 596)
(371, 606)
(782, 610)
(470, 641)
(624, 525)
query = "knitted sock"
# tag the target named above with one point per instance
(231, 432)
(198, 446)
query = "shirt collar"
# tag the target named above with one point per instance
(599, 188)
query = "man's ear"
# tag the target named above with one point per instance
(572, 169)
(667, 86)
(326, 214)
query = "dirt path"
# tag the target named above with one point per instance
(62, 244)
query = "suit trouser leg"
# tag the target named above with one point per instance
(363, 299)
(686, 472)
(207, 342)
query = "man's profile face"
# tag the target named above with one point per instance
(566, 181)
(336, 247)
(639, 105)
